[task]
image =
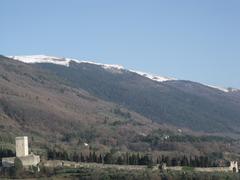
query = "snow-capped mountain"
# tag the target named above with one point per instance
(181, 103)
(58, 60)
(41, 59)
(65, 62)
(218, 88)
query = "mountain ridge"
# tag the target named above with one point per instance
(180, 103)
(65, 61)
(176, 102)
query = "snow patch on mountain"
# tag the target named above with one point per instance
(58, 60)
(113, 67)
(234, 90)
(219, 88)
(153, 77)
(42, 59)
(226, 90)
(105, 66)
(66, 62)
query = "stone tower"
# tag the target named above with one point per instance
(21, 146)
(234, 166)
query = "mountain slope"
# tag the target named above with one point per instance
(179, 103)
(37, 103)
(83, 107)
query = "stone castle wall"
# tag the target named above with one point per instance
(232, 168)
(174, 168)
(213, 169)
(30, 160)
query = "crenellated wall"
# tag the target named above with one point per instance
(232, 168)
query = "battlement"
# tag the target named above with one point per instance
(234, 166)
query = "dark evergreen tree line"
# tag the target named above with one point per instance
(6, 153)
(196, 161)
(131, 159)
(108, 158)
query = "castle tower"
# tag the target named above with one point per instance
(21, 146)
(234, 166)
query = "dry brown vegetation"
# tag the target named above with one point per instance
(37, 103)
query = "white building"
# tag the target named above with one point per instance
(22, 153)
(21, 146)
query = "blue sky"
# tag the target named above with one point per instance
(197, 40)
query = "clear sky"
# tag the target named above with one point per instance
(196, 40)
